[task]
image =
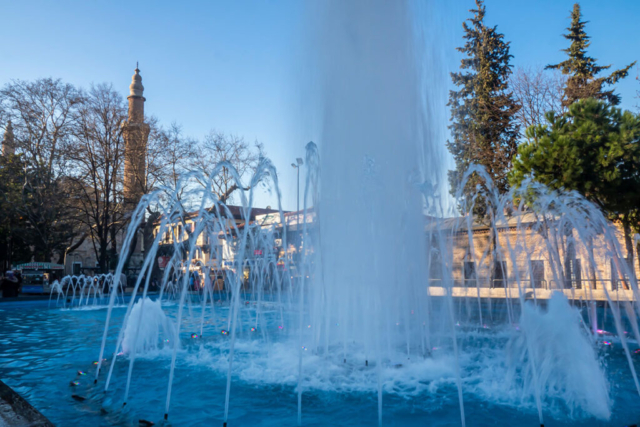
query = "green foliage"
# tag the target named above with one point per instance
(582, 69)
(483, 128)
(595, 150)
(14, 248)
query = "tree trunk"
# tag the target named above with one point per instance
(638, 251)
(148, 241)
(104, 256)
(628, 242)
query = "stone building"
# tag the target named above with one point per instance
(529, 254)
(214, 248)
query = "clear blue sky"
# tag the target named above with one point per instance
(237, 65)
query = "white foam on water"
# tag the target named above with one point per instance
(278, 365)
(570, 379)
(147, 328)
(496, 367)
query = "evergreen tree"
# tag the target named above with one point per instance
(483, 111)
(14, 227)
(582, 69)
(593, 149)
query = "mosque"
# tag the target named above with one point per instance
(135, 132)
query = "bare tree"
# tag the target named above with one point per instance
(96, 155)
(42, 114)
(537, 91)
(243, 156)
(169, 156)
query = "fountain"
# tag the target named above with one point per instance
(354, 306)
(356, 295)
(86, 290)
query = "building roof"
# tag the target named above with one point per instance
(237, 213)
(460, 224)
(39, 266)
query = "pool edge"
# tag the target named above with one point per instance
(20, 412)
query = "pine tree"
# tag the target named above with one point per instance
(593, 149)
(484, 129)
(582, 69)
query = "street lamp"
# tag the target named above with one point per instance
(296, 166)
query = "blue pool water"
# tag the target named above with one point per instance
(42, 349)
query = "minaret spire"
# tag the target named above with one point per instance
(8, 140)
(136, 100)
(136, 134)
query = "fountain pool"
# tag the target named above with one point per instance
(351, 318)
(44, 348)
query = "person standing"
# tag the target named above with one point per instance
(10, 285)
(18, 285)
(3, 282)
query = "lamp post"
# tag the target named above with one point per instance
(296, 166)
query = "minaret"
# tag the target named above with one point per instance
(8, 141)
(136, 134)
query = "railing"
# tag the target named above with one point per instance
(611, 285)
